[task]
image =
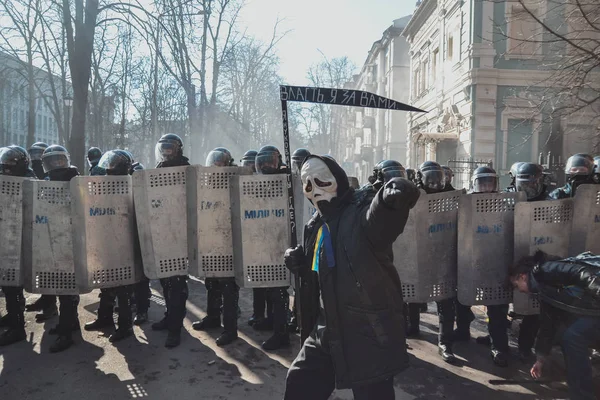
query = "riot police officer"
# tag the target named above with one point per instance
(597, 169)
(114, 162)
(268, 161)
(93, 157)
(448, 176)
(249, 158)
(169, 153)
(35, 153)
(512, 173)
(220, 291)
(57, 165)
(298, 157)
(411, 174)
(14, 161)
(579, 170)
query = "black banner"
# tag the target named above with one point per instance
(341, 97)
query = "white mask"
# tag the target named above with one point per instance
(318, 183)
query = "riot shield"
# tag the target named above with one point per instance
(486, 237)
(11, 229)
(586, 222)
(210, 247)
(541, 225)
(425, 254)
(261, 231)
(48, 238)
(104, 232)
(159, 196)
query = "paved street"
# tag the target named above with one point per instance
(142, 367)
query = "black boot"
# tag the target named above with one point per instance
(13, 335)
(484, 340)
(61, 344)
(100, 324)
(254, 319)
(277, 341)
(265, 324)
(37, 305)
(461, 335)
(140, 318)
(120, 334)
(173, 339)
(47, 313)
(160, 325)
(226, 338)
(5, 321)
(56, 329)
(207, 323)
(446, 353)
(499, 358)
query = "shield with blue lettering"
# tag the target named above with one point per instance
(425, 254)
(486, 247)
(540, 225)
(160, 200)
(48, 238)
(105, 243)
(261, 230)
(586, 222)
(210, 246)
(11, 227)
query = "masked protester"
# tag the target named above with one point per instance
(222, 293)
(114, 162)
(57, 165)
(348, 279)
(569, 293)
(448, 177)
(169, 153)
(14, 161)
(579, 170)
(93, 157)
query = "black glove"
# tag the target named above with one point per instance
(400, 192)
(294, 259)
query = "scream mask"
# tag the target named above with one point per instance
(318, 182)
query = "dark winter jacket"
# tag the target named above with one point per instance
(362, 293)
(63, 174)
(38, 169)
(30, 174)
(567, 289)
(95, 170)
(177, 162)
(566, 191)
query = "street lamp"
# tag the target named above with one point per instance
(68, 101)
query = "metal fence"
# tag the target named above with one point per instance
(463, 171)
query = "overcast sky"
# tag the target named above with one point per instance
(336, 27)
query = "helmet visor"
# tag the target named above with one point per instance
(218, 159)
(531, 187)
(115, 164)
(485, 183)
(267, 163)
(167, 150)
(433, 179)
(249, 164)
(55, 160)
(35, 153)
(393, 172)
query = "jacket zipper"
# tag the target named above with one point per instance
(358, 285)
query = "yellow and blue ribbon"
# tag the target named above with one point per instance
(323, 242)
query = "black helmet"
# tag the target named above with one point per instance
(579, 165)
(431, 175)
(485, 180)
(411, 174)
(36, 150)
(14, 161)
(94, 154)
(268, 160)
(530, 179)
(55, 157)
(116, 162)
(137, 166)
(513, 169)
(298, 158)
(249, 159)
(169, 147)
(388, 169)
(219, 157)
(448, 174)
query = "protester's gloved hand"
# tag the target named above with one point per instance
(400, 192)
(294, 259)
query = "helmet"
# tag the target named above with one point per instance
(388, 169)
(169, 147)
(298, 158)
(448, 174)
(597, 169)
(431, 175)
(137, 167)
(579, 165)
(411, 174)
(14, 161)
(249, 159)
(530, 179)
(513, 169)
(93, 156)
(268, 160)
(219, 157)
(55, 157)
(36, 150)
(485, 180)
(116, 162)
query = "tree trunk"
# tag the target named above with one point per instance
(31, 93)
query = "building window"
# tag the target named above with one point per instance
(434, 64)
(524, 32)
(416, 76)
(450, 47)
(425, 80)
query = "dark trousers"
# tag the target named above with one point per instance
(175, 292)
(259, 300)
(107, 304)
(528, 332)
(280, 298)
(311, 376)
(68, 316)
(142, 295)
(48, 300)
(446, 314)
(15, 306)
(223, 296)
(575, 343)
(498, 326)
(413, 315)
(464, 316)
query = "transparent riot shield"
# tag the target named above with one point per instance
(486, 237)
(540, 225)
(261, 230)
(11, 229)
(586, 221)
(160, 202)
(425, 254)
(210, 247)
(48, 238)
(104, 232)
